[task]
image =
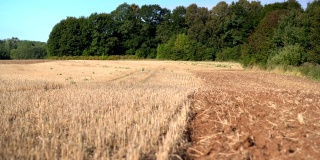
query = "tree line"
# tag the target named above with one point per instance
(278, 33)
(270, 35)
(22, 49)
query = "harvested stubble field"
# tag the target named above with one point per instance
(155, 110)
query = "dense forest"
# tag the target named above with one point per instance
(22, 49)
(278, 34)
(245, 31)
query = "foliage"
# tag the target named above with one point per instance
(29, 50)
(196, 18)
(273, 34)
(312, 22)
(289, 55)
(66, 38)
(179, 47)
(277, 35)
(22, 49)
(229, 54)
(4, 50)
(310, 70)
(256, 50)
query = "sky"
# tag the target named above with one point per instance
(34, 19)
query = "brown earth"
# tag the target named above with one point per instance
(255, 115)
(236, 114)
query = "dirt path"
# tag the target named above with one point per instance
(255, 115)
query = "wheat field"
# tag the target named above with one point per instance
(96, 109)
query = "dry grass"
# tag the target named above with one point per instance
(94, 109)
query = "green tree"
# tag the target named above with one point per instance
(154, 18)
(215, 24)
(179, 47)
(4, 50)
(86, 28)
(312, 23)
(289, 55)
(256, 50)
(290, 31)
(54, 39)
(12, 43)
(29, 50)
(172, 24)
(178, 20)
(241, 19)
(164, 31)
(70, 42)
(104, 41)
(196, 19)
(66, 38)
(153, 14)
(128, 24)
(164, 51)
(229, 53)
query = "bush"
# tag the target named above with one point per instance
(289, 55)
(210, 54)
(229, 54)
(181, 47)
(29, 52)
(141, 53)
(146, 52)
(310, 70)
(164, 51)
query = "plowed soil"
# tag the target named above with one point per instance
(255, 115)
(236, 114)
